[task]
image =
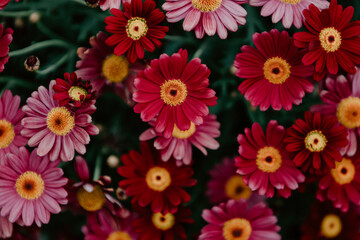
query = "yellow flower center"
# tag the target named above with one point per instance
(136, 28)
(276, 70)
(348, 112)
(77, 93)
(60, 121)
(7, 133)
(158, 178)
(268, 159)
(163, 222)
(183, 134)
(119, 235)
(91, 201)
(206, 5)
(115, 68)
(173, 92)
(237, 229)
(344, 171)
(30, 185)
(315, 141)
(291, 1)
(331, 226)
(330, 39)
(236, 189)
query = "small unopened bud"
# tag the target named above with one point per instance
(113, 161)
(19, 22)
(121, 194)
(32, 63)
(34, 17)
(233, 69)
(92, 3)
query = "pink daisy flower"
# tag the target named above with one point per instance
(273, 71)
(290, 11)
(109, 4)
(232, 220)
(341, 99)
(106, 70)
(174, 91)
(264, 163)
(226, 184)
(179, 144)
(5, 40)
(31, 188)
(10, 125)
(6, 227)
(207, 16)
(55, 129)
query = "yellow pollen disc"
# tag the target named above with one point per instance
(173, 92)
(119, 235)
(330, 39)
(7, 133)
(60, 121)
(237, 229)
(315, 141)
(30, 185)
(276, 70)
(163, 222)
(183, 134)
(115, 68)
(268, 159)
(158, 179)
(236, 189)
(76, 93)
(91, 201)
(291, 1)
(331, 226)
(344, 171)
(136, 28)
(348, 112)
(206, 5)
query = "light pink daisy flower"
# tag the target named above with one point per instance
(6, 228)
(290, 11)
(207, 16)
(55, 129)
(31, 188)
(179, 144)
(10, 124)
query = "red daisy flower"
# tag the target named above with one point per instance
(154, 182)
(315, 141)
(264, 163)
(135, 28)
(332, 40)
(162, 227)
(174, 90)
(72, 91)
(6, 36)
(341, 184)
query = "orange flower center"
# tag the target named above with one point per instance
(183, 134)
(119, 235)
(7, 133)
(344, 171)
(237, 229)
(158, 178)
(136, 28)
(173, 92)
(330, 39)
(60, 121)
(236, 189)
(77, 93)
(331, 226)
(276, 70)
(163, 222)
(348, 112)
(291, 1)
(268, 159)
(315, 141)
(91, 201)
(206, 5)
(115, 68)
(30, 185)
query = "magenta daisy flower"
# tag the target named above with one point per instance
(55, 129)
(174, 91)
(106, 70)
(31, 188)
(290, 11)
(5, 40)
(232, 220)
(109, 4)
(264, 163)
(226, 184)
(274, 72)
(10, 125)
(179, 144)
(6, 228)
(207, 16)
(342, 100)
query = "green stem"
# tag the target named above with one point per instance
(201, 50)
(54, 66)
(16, 13)
(97, 170)
(39, 45)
